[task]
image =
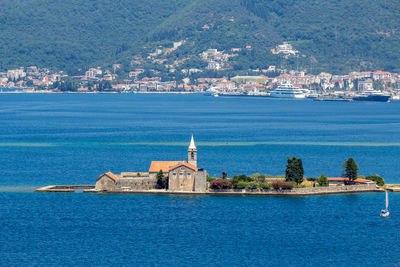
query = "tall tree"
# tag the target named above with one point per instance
(295, 170)
(350, 168)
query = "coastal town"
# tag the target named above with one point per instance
(212, 74)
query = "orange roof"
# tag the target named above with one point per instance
(190, 166)
(343, 179)
(156, 166)
(112, 176)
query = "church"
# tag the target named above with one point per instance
(182, 176)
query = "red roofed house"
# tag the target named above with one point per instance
(377, 75)
(340, 180)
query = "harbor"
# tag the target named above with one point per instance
(288, 91)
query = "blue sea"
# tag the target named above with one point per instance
(72, 138)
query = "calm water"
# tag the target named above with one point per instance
(71, 139)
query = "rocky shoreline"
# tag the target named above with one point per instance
(308, 191)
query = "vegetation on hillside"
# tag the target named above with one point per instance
(334, 36)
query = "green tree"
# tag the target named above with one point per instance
(377, 179)
(350, 168)
(323, 181)
(295, 170)
(161, 181)
(251, 185)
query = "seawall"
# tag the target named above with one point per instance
(309, 191)
(63, 188)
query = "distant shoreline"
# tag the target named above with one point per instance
(52, 92)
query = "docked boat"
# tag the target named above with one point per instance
(312, 95)
(288, 91)
(385, 212)
(210, 92)
(372, 95)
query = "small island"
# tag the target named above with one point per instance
(185, 177)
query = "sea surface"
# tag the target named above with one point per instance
(72, 138)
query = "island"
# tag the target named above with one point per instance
(185, 177)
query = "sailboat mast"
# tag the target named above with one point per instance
(387, 200)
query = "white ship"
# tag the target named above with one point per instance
(288, 91)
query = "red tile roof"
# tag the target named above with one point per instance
(156, 166)
(190, 166)
(358, 180)
(112, 176)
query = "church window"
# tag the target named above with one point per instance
(181, 175)
(192, 155)
(189, 175)
(174, 175)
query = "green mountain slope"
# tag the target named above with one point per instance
(334, 36)
(339, 35)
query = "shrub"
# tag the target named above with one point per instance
(276, 185)
(243, 177)
(377, 179)
(282, 185)
(323, 181)
(265, 186)
(210, 179)
(221, 184)
(240, 178)
(241, 185)
(251, 185)
(287, 185)
(258, 178)
(311, 179)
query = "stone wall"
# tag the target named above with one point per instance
(200, 182)
(305, 191)
(134, 174)
(336, 189)
(135, 183)
(105, 183)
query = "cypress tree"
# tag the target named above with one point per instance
(295, 170)
(350, 168)
(161, 182)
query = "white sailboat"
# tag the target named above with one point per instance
(385, 212)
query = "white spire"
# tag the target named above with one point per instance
(192, 144)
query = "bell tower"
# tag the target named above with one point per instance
(192, 153)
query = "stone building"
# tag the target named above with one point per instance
(182, 176)
(106, 182)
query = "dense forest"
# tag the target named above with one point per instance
(335, 36)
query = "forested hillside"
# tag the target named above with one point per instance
(360, 34)
(335, 36)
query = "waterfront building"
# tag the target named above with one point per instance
(365, 85)
(183, 176)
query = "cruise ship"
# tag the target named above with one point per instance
(372, 95)
(288, 91)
